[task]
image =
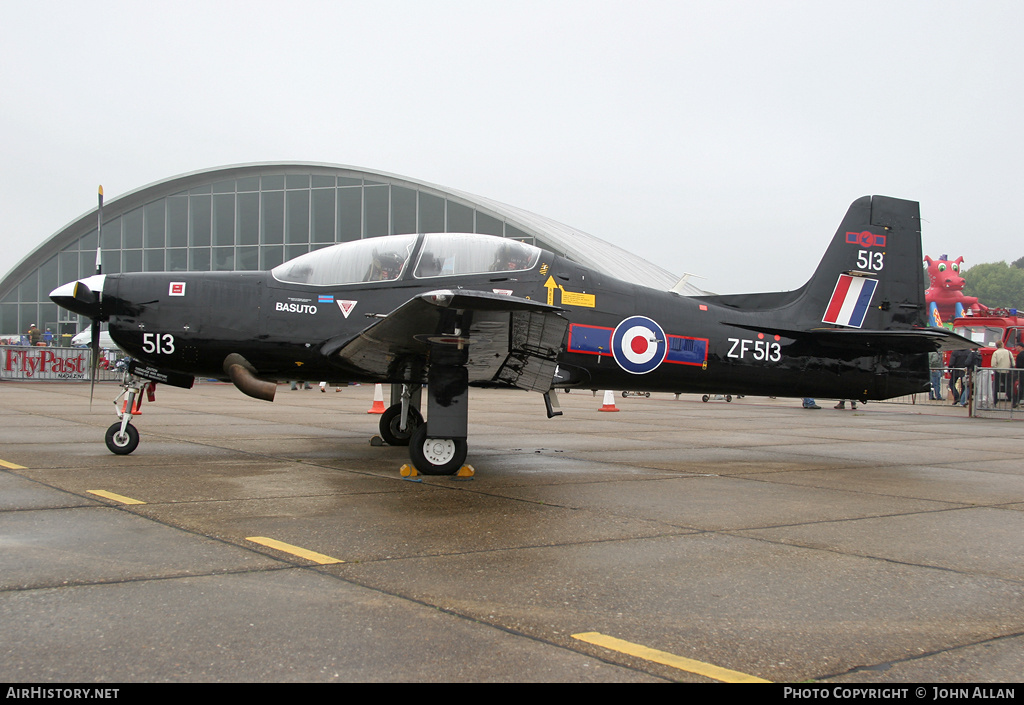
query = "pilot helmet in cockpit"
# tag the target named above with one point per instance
(511, 257)
(385, 266)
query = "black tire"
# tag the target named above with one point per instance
(728, 397)
(390, 421)
(705, 398)
(647, 395)
(436, 456)
(121, 445)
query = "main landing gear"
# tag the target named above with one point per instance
(431, 453)
(437, 446)
(436, 456)
(397, 428)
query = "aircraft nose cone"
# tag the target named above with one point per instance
(82, 296)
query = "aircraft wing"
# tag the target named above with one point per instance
(511, 341)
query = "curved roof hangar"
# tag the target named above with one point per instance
(255, 216)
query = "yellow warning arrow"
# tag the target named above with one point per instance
(550, 285)
(568, 298)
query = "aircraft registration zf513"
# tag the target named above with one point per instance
(452, 310)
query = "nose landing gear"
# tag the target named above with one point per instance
(122, 437)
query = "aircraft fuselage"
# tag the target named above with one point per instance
(619, 335)
(454, 310)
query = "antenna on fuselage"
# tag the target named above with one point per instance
(680, 287)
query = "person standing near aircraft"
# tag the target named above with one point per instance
(34, 335)
(962, 364)
(935, 368)
(809, 403)
(1019, 382)
(1002, 360)
(973, 363)
(957, 382)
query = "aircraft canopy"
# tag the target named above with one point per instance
(386, 259)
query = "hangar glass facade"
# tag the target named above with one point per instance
(241, 218)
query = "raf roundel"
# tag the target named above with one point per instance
(639, 345)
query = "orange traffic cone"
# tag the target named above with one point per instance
(378, 400)
(609, 402)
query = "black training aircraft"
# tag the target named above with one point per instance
(454, 310)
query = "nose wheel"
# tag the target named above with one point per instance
(122, 442)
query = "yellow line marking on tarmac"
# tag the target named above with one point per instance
(666, 659)
(116, 497)
(294, 550)
(11, 466)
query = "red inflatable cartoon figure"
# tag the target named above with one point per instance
(946, 287)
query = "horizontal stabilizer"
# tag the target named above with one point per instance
(911, 340)
(915, 340)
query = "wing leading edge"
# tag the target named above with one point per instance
(509, 341)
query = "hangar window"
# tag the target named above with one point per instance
(460, 218)
(371, 260)
(248, 218)
(431, 214)
(447, 254)
(155, 227)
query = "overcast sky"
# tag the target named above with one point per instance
(721, 138)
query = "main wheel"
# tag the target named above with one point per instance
(705, 398)
(121, 444)
(391, 421)
(436, 456)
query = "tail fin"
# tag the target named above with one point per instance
(871, 276)
(867, 294)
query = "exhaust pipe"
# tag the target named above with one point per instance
(243, 376)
